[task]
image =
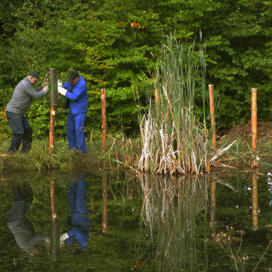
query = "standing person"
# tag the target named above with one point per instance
(17, 107)
(75, 91)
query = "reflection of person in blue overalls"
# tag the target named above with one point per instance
(75, 92)
(78, 233)
(19, 224)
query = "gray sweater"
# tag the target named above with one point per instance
(23, 95)
(25, 235)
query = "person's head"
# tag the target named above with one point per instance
(73, 77)
(33, 76)
(37, 249)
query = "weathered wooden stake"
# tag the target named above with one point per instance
(53, 104)
(211, 95)
(157, 102)
(55, 232)
(253, 119)
(103, 119)
(255, 201)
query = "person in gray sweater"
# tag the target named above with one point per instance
(17, 107)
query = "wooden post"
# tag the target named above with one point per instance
(53, 104)
(156, 97)
(105, 197)
(55, 233)
(211, 96)
(253, 119)
(255, 201)
(103, 119)
(157, 106)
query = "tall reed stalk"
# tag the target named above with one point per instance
(173, 138)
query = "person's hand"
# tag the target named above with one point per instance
(46, 89)
(63, 237)
(45, 82)
(47, 240)
(47, 244)
(62, 91)
(59, 83)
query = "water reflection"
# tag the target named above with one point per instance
(172, 208)
(204, 224)
(213, 202)
(186, 224)
(78, 222)
(55, 229)
(19, 224)
(105, 200)
(255, 201)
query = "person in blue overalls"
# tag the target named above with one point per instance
(75, 91)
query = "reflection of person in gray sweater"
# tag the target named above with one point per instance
(20, 225)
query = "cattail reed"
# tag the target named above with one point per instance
(174, 140)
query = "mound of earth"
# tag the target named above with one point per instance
(243, 131)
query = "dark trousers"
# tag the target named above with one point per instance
(21, 130)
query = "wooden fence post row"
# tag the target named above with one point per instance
(212, 112)
(253, 117)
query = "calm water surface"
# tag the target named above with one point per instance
(119, 222)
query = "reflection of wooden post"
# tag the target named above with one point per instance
(255, 201)
(53, 104)
(104, 217)
(103, 115)
(211, 95)
(55, 233)
(253, 119)
(213, 198)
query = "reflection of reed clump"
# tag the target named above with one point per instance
(174, 209)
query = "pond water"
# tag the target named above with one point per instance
(120, 222)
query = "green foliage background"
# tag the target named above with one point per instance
(115, 44)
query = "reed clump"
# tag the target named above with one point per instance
(173, 137)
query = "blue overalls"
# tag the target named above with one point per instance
(77, 101)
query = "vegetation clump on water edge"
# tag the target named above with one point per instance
(121, 152)
(125, 153)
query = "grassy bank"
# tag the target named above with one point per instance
(120, 153)
(125, 153)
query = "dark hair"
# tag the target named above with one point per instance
(72, 75)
